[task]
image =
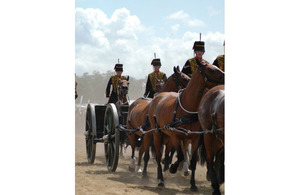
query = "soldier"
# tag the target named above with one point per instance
(220, 61)
(153, 86)
(114, 81)
(191, 64)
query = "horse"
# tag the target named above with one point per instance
(159, 83)
(211, 117)
(178, 125)
(137, 119)
(122, 93)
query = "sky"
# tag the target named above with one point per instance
(132, 31)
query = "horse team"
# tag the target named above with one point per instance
(185, 111)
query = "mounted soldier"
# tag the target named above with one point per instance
(155, 80)
(114, 81)
(220, 60)
(191, 64)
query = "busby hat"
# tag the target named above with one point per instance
(118, 67)
(156, 62)
(199, 46)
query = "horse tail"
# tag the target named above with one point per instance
(202, 150)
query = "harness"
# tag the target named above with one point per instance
(186, 119)
(179, 84)
(144, 125)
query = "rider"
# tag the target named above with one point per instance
(153, 77)
(191, 64)
(114, 81)
(220, 61)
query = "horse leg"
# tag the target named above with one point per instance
(213, 177)
(132, 158)
(193, 163)
(174, 167)
(141, 152)
(145, 149)
(157, 145)
(219, 166)
(212, 173)
(186, 164)
(168, 158)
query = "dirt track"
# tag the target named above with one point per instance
(95, 179)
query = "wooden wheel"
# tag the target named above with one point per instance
(112, 141)
(90, 128)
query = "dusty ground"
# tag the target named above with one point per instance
(95, 179)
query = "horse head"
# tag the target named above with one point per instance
(122, 89)
(159, 83)
(180, 78)
(212, 75)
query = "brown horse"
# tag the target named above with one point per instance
(184, 108)
(137, 118)
(211, 117)
(122, 92)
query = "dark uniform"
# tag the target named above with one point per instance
(114, 81)
(220, 62)
(191, 64)
(151, 81)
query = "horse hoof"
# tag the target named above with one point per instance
(161, 185)
(216, 193)
(138, 169)
(194, 189)
(186, 173)
(172, 169)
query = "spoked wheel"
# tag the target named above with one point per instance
(90, 127)
(112, 135)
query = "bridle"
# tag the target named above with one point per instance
(200, 68)
(124, 92)
(178, 82)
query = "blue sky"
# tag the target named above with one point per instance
(133, 30)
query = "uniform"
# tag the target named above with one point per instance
(152, 79)
(191, 64)
(220, 62)
(114, 81)
(151, 83)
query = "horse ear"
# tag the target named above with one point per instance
(174, 69)
(178, 69)
(127, 78)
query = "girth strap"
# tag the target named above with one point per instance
(182, 120)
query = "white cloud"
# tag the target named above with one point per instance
(101, 40)
(175, 27)
(185, 18)
(180, 15)
(213, 12)
(195, 22)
